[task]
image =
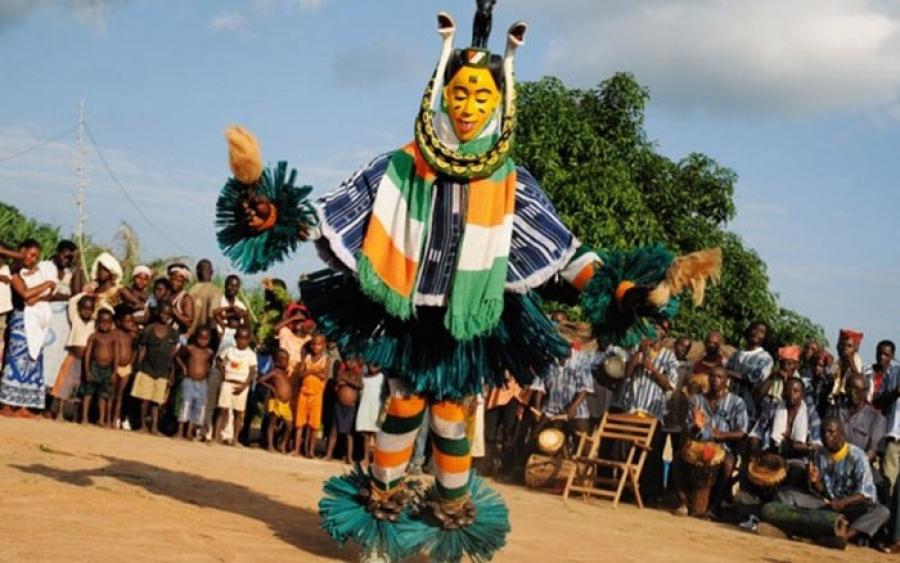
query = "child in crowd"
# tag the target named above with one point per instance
(126, 336)
(230, 307)
(279, 406)
(101, 360)
(314, 370)
(238, 364)
(194, 360)
(81, 326)
(161, 291)
(226, 329)
(369, 413)
(135, 297)
(156, 360)
(293, 334)
(349, 383)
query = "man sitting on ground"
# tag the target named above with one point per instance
(840, 479)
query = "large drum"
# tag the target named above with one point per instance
(547, 472)
(767, 473)
(805, 523)
(702, 461)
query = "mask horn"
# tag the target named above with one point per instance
(515, 38)
(446, 29)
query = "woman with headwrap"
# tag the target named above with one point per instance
(106, 281)
(22, 382)
(182, 303)
(441, 246)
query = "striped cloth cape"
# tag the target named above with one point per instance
(541, 244)
(540, 247)
(389, 260)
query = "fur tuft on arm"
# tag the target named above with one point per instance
(691, 270)
(243, 154)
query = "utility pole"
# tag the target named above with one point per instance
(80, 162)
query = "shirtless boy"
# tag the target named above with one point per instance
(279, 405)
(194, 360)
(101, 359)
(126, 335)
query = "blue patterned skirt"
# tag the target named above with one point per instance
(22, 384)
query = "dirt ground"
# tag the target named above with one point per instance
(73, 493)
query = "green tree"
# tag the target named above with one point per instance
(591, 154)
(15, 228)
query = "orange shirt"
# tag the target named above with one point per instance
(314, 375)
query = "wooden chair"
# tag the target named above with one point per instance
(636, 433)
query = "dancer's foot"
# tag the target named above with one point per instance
(454, 515)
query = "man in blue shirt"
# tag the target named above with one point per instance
(840, 479)
(721, 417)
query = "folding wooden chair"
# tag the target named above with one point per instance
(636, 433)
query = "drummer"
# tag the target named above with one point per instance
(718, 416)
(790, 428)
(840, 479)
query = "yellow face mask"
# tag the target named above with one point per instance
(471, 97)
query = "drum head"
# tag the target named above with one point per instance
(614, 367)
(769, 471)
(551, 440)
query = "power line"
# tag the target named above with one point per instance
(39, 145)
(124, 191)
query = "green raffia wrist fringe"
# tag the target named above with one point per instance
(645, 266)
(253, 251)
(344, 516)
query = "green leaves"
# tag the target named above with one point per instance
(590, 152)
(15, 228)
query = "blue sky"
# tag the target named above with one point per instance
(800, 98)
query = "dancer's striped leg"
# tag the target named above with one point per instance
(452, 459)
(396, 440)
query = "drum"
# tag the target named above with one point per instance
(614, 366)
(547, 472)
(551, 441)
(767, 472)
(702, 461)
(805, 523)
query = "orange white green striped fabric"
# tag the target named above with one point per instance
(389, 260)
(396, 440)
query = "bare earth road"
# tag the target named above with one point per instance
(71, 493)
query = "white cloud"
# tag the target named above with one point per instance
(766, 56)
(229, 22)
(42, 184)
(92, 13)
(241, 20)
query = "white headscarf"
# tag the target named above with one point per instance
(142, 269)
(109, 262)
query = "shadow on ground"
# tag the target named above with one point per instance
(294, 525)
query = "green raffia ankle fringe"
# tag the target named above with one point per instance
(479, 540)
(344, 516)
